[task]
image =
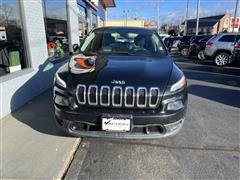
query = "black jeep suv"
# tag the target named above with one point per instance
(123, 84)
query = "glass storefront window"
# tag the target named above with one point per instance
(55, 17)
(82, 19)
(12, 56)
(94, 21)
(101, 23)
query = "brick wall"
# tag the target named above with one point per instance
(221, 26)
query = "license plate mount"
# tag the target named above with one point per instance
(116, 123)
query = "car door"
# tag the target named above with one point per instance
(227, 42)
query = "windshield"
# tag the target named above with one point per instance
(123, 42)
(205, 39)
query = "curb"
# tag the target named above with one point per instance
(68, 160)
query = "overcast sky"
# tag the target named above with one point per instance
(171, 11)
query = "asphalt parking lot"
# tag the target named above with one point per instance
(208, 146)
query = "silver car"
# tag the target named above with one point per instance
(220, 47)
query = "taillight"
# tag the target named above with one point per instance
(193, 44)
(209, 43)
(237, 46)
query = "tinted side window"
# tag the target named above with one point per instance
(186, 38)
(227, 38)
(238, 42)
(237, 38)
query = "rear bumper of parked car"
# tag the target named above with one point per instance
(144, 126)
(209, 52)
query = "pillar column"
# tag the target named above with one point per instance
(72, 23)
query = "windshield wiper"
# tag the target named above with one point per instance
(121, 53)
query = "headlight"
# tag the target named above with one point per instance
(82, 64)
(59, 81)
(178, 85)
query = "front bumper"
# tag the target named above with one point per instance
(146, 126)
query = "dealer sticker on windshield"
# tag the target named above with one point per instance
(116, 124)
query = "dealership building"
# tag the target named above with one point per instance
(36, 38)
(213, 24)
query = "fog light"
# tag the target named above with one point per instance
(61, 101)
(176, 105)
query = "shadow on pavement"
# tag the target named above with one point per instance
(211, 69)
(213, 78)
(37, 113)
(221, 95)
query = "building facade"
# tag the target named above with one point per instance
(210, 24)
(36, 38)
(135, 23)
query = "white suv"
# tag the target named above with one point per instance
(220, 47)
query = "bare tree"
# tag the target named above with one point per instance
(5, 14)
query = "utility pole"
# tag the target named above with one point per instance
(126, 16)
(158, 18)
(198, 11)
(186, 18)
(235, 15)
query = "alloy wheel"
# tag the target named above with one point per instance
(222, 59)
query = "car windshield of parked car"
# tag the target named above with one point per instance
(123, 42)
(205, 39)
(238, 42)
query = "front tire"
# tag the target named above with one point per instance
(201, 55)
(222, 59)
(185, 52)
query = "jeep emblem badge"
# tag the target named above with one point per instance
(118, 82)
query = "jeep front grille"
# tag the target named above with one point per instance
(118, 96)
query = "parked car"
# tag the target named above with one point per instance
(236, 53)
(200, 47)
(184, 45)
(121, 89)
(169, 41)
(220, 47)
(174, 46)
(193, 44)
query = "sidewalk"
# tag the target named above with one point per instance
(31, 145)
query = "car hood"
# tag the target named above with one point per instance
(128, 71)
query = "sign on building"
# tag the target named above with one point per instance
(236, 25)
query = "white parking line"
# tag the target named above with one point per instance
(204, 72)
